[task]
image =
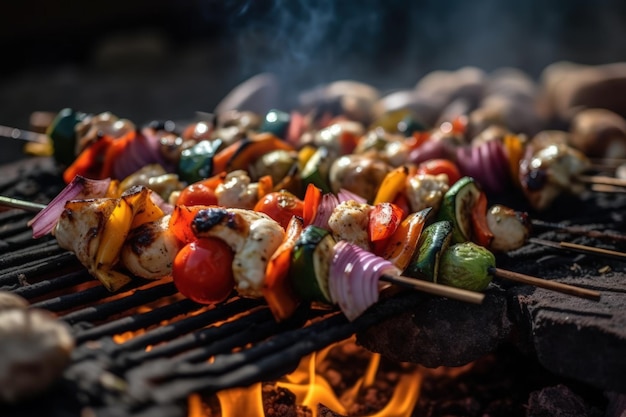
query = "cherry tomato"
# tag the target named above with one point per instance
(280, 206)
(201, 192)
(440, 166)
(203, 271)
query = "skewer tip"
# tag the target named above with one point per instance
(546, 284)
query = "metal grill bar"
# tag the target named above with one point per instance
(48, 286)
(28, 254)
(12, 275)
(85, 297)
(173, 330)
(105, 310)
(137, 321)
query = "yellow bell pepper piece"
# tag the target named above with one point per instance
(112, 280)
(515, 150)
(143, 208)
(304, 155)
(393, 184)
(114, 235)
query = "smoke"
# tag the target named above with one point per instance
(394, 42)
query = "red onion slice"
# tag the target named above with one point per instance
(500, 164)
(354, 278)
(325, 210)
(431, 149)
(489, 176)
(347, 195)
(79, 188)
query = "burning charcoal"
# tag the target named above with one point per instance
(324, 411)
(441, 332)
(34, 351)
(557, 401)
(280, 402)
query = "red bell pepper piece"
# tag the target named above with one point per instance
(384, 219)
(480, 229)
(312, 200)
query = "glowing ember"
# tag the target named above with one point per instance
(316, 384)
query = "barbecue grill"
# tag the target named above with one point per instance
(180, 347)
(142, 351)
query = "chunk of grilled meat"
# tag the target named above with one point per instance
(253, 236)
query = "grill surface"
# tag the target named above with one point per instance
(153, 372)
(166, 360)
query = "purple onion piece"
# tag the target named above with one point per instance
(79, 188)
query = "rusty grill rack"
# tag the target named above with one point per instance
(243, 341)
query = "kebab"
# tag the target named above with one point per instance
(251, 249)
(545, 167)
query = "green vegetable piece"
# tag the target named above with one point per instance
(433, 242)
(409, 125)
(310, 264)
(316, 170)
(196, 162)
(276, 122)
(466, 265)
(456, 208)
(63, 134)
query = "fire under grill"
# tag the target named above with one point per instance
(179, 347)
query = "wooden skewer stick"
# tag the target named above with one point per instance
(575, 247)
(546, 284)
(598, 251)
(601, 180)
(20, 134)
(20, 204)
(579, 230)
(607, 189)
(416, 284)
(435, 289)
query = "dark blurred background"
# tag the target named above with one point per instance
(166, 59)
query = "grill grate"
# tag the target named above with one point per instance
(241, 337)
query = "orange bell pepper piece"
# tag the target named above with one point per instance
(402, 243)
(277, 288)
(266, 186)
(180, 222)
(241, 154)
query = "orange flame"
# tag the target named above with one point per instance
(312, 389)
